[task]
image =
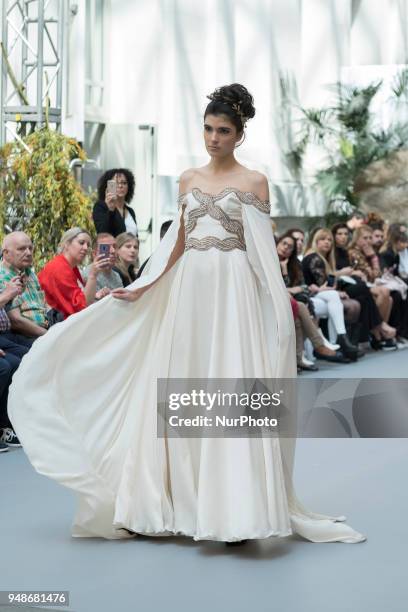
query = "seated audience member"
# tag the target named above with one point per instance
(61, 280)
(364, 258)
(390, 262)
(112, 213)
(28, 310)
(299, 236)
(377, 237)
(12, 350)
(389, 252)
(403, 255)
(341, 236)
(319, 267)
(127, 253)
(370, 319)
(293, 278)
(107, 277)
(362, 255)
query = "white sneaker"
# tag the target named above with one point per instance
(3, 447)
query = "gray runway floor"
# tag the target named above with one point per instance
(364, 479)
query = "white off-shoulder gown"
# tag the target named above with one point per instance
(84, 406)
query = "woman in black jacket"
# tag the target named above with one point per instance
(370, 319)
(111, 213)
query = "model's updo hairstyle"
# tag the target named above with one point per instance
(234, 101)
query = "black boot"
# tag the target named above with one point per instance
(348, 349)
(353, 332)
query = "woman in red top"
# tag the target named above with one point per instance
(65, 289)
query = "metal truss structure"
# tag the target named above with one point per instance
(32, 50)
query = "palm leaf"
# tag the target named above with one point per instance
(353, 106)
(399, 85)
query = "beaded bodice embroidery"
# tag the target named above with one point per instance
(215, 221)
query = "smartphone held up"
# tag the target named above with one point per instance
(104, 249)
(111, 187)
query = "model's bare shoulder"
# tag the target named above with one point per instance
(259, 185)
(186, 180)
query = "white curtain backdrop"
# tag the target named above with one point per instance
(164, 56)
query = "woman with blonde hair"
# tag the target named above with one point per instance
(127, 251)
(63, 285)
(364, 258)
(319, 267)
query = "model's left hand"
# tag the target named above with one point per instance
(126, 294)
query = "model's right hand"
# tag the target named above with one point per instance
(110, 200)
(127, 295)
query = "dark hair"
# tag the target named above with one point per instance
(295, 229)
(393, 240)
(108, 175)
(356, 214)
(294, 271)
(336, 227)
(377, 226)
(393, 228)
(234, 101)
